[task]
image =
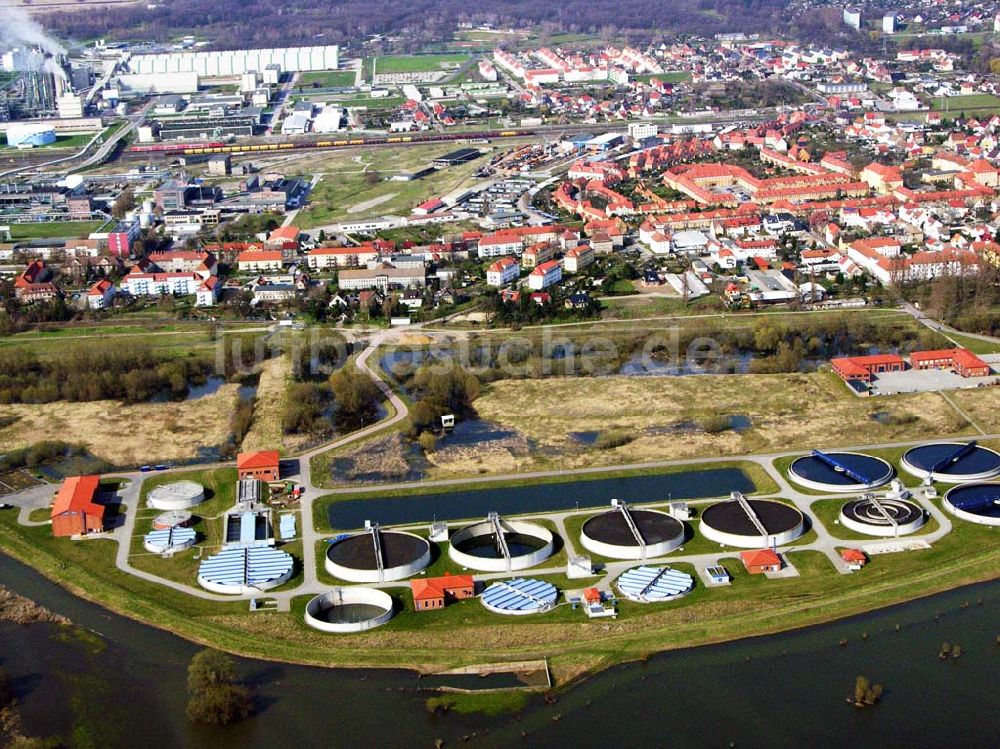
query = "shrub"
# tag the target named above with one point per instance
(715, 424)
(215, 696)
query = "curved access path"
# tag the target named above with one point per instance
(129, 496)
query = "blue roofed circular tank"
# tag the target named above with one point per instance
(840, 471)
(954, 462)
(977, 502)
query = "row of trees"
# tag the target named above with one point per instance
(129, 372)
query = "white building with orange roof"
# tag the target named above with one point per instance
(502, 272)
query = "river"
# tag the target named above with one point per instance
(125, 687)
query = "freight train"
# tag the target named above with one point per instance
(210, 147)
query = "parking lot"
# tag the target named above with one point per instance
(928, 380)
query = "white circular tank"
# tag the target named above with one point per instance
(179, 495)
(518, 561)
(317, 618)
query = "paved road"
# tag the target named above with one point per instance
(946, 330)
(98, 156)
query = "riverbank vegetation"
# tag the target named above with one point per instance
(129, 372)
(21, 610)
(215, 694)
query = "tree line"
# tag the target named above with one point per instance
(129, 372)
(235, 24)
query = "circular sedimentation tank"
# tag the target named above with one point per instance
(882, 517)
(976, 502)
(169, 540)
(520, 597)
(952, 462)
(354, 558)
(245, 570)
(610, 534)
(752, 523)
(840, 472)
(654, 584)
(476, 546)
(179, 495)
(353, 609)
(172, 519)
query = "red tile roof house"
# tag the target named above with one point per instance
(263, 465)
(855, 559)
(75, 511)
(760, 561)
(436, 592)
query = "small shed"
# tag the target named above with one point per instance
(761, 561)
(718, 574)
(855, 559)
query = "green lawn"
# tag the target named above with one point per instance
(975, 345)
(970, 101)
(327, 79)
(675, 76)
(369, 102)
(347, 192)
(77, 141)
(418, 63)
(52, 229)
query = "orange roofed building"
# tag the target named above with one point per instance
(75, 511)
(263, 465)
(760, 561)
(435, 592)
(963, 361)
(864, 368)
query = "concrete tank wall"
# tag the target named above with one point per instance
(944, 478)
(632, 551)
(752, 542)
(485, 527)
(369, 596)
(882, 531)
(356, 575)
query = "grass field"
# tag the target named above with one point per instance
(970, 101)
(674, 76)
(327, 79)
(785, 411)
(125, 435)
(345, 191)
(385, 102)
(418, 63)
(69, 229)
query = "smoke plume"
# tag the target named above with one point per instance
(19, 29)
